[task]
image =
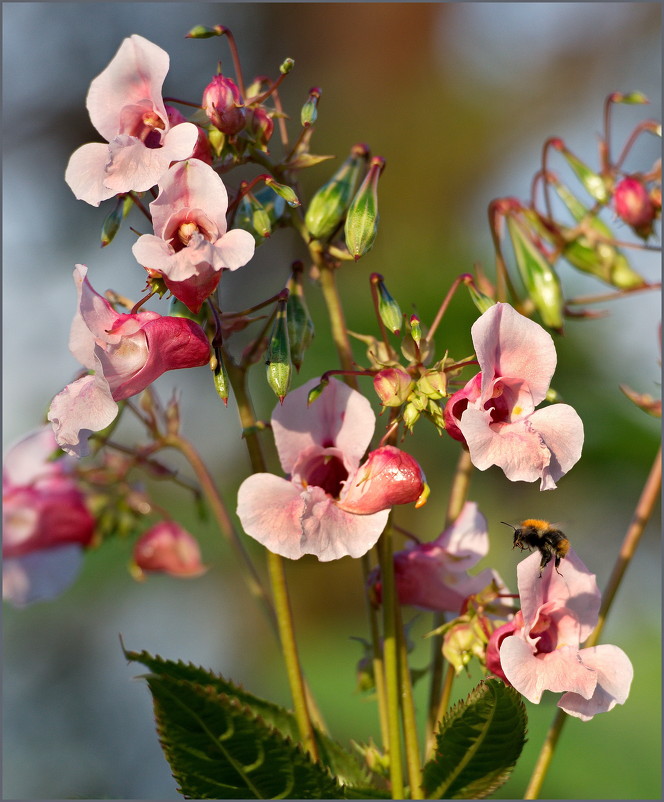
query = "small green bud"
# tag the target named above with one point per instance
(202, 32)
(309, 112)
(433, 383)
(278, 358)
(300, 324)
(539, 279)
(630, 97)
(361, 224)
(388, 308)
(416, 330)
(410, 415)
(328, 206)
(481, 301)
(286, 66)
(317, 391)
(283, 190)
(220, 376)
(592, 181)
(113, 221)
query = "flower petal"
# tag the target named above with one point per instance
(467, 539)
(576, 590)
(40, 576)
(615, 673)
(82, 407)
(269, 508)
(135, 73)
(340, 417)
(26, 459)
(331, 533)
(190, 184)
(235, 248)
(531, 675)
(509, 344)
(86, 173)
(561, 430)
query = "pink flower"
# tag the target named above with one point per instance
(170, 549)
(494, 414)
(126, 352)
(223, 105)
(46, 524)
(434, 576)
(126, 107)
(190, 245)
(202, 151)
(320, 447)
(541, 648)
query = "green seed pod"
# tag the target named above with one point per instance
(316, 392)
(309, 112)
(388, 308)
(539, 279)
(113, 221)
(599, 258)
(361, 224)
(592, 181)
(328, 206)
(283, 190)
(220, 377)
(300, 324)
(278, 358)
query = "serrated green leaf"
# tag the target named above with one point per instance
(218, 749)
(478, 744)
(341, 763)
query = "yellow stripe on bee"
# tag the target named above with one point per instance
(536, 522)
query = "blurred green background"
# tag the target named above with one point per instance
(458, 98)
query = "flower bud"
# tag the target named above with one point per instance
(111, 224)
(223, 105)
(592, 181)
(388, 308)
(388, 477)
(539, 278)
(462, 641)
(309, 112)
(634, 206)
(433, 383)
(328, 206)
(220, 377)
(393, 386)
(317, 391)
(283, 190)
(481, 301)
(300, 324)
(415, 329)
(278, 358)
(361, 224)
(260, 125)
(168, 548)
(410, 416)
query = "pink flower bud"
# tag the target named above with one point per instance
(393, 386)
(170, 549)
(633, 204)
(260, 126)
(388, 477)
(223, 105)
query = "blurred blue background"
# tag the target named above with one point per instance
(458, 98)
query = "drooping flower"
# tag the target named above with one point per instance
(168, 548)
(190, 245)
(540, 649)
(126, 352)
(126, 107)
(329, 505)
(434, 575)
(46, 524)
(495, 415)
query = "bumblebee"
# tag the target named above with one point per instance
(543, 536)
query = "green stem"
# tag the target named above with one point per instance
(391, 657)
(377, 659)
(336, 314)
(642, 513)
(409, 722)
(283, 609)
